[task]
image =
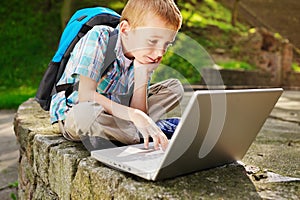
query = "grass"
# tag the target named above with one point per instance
(11, 98)
(30, 37)
(30, 32)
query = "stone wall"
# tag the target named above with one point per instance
(272, 55)
(52, 168)
(292, 80)
(248, 79)
(236, 78)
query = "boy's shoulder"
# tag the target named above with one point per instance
(102, 29)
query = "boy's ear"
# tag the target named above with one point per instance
(124, 26)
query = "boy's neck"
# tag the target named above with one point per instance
(125, 52)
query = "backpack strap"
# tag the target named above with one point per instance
(110, 57)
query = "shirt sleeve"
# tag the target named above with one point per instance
(89, 52)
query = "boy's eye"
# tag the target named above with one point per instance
(152, 42)
(155, 43)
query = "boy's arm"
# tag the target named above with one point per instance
(87, 92)
(146, 126)
(139, 97)
(142, 73)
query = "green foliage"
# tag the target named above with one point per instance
(13, 196)
(14, 184)
(184, 61)
(208, 13)
(296, 67)
(175, 66)
(117, 5)
(233, 64)
(11, 185)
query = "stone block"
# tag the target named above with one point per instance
(64, 159)
(41, 147)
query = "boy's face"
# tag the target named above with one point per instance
(147, 43)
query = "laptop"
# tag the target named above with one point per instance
(217, 128)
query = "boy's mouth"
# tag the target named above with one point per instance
(156, 60)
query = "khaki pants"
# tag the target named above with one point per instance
(88, 119)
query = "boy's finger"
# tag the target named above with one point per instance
(164, 142)
(156, 142)
(146, 142)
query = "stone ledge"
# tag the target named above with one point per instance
(51, 167)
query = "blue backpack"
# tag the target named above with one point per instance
(79, 24)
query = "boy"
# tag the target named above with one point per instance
(120, 107)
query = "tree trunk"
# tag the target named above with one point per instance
(66, 12)
(234, 15)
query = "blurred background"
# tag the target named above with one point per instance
(240, 35)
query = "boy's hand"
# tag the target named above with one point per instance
(147, 127)
(145, 70)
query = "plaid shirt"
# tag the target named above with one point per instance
(87, 60)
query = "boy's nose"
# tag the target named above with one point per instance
(158, 53)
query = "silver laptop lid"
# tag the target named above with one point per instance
(217, 127)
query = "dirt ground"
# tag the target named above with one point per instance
(9, 153)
